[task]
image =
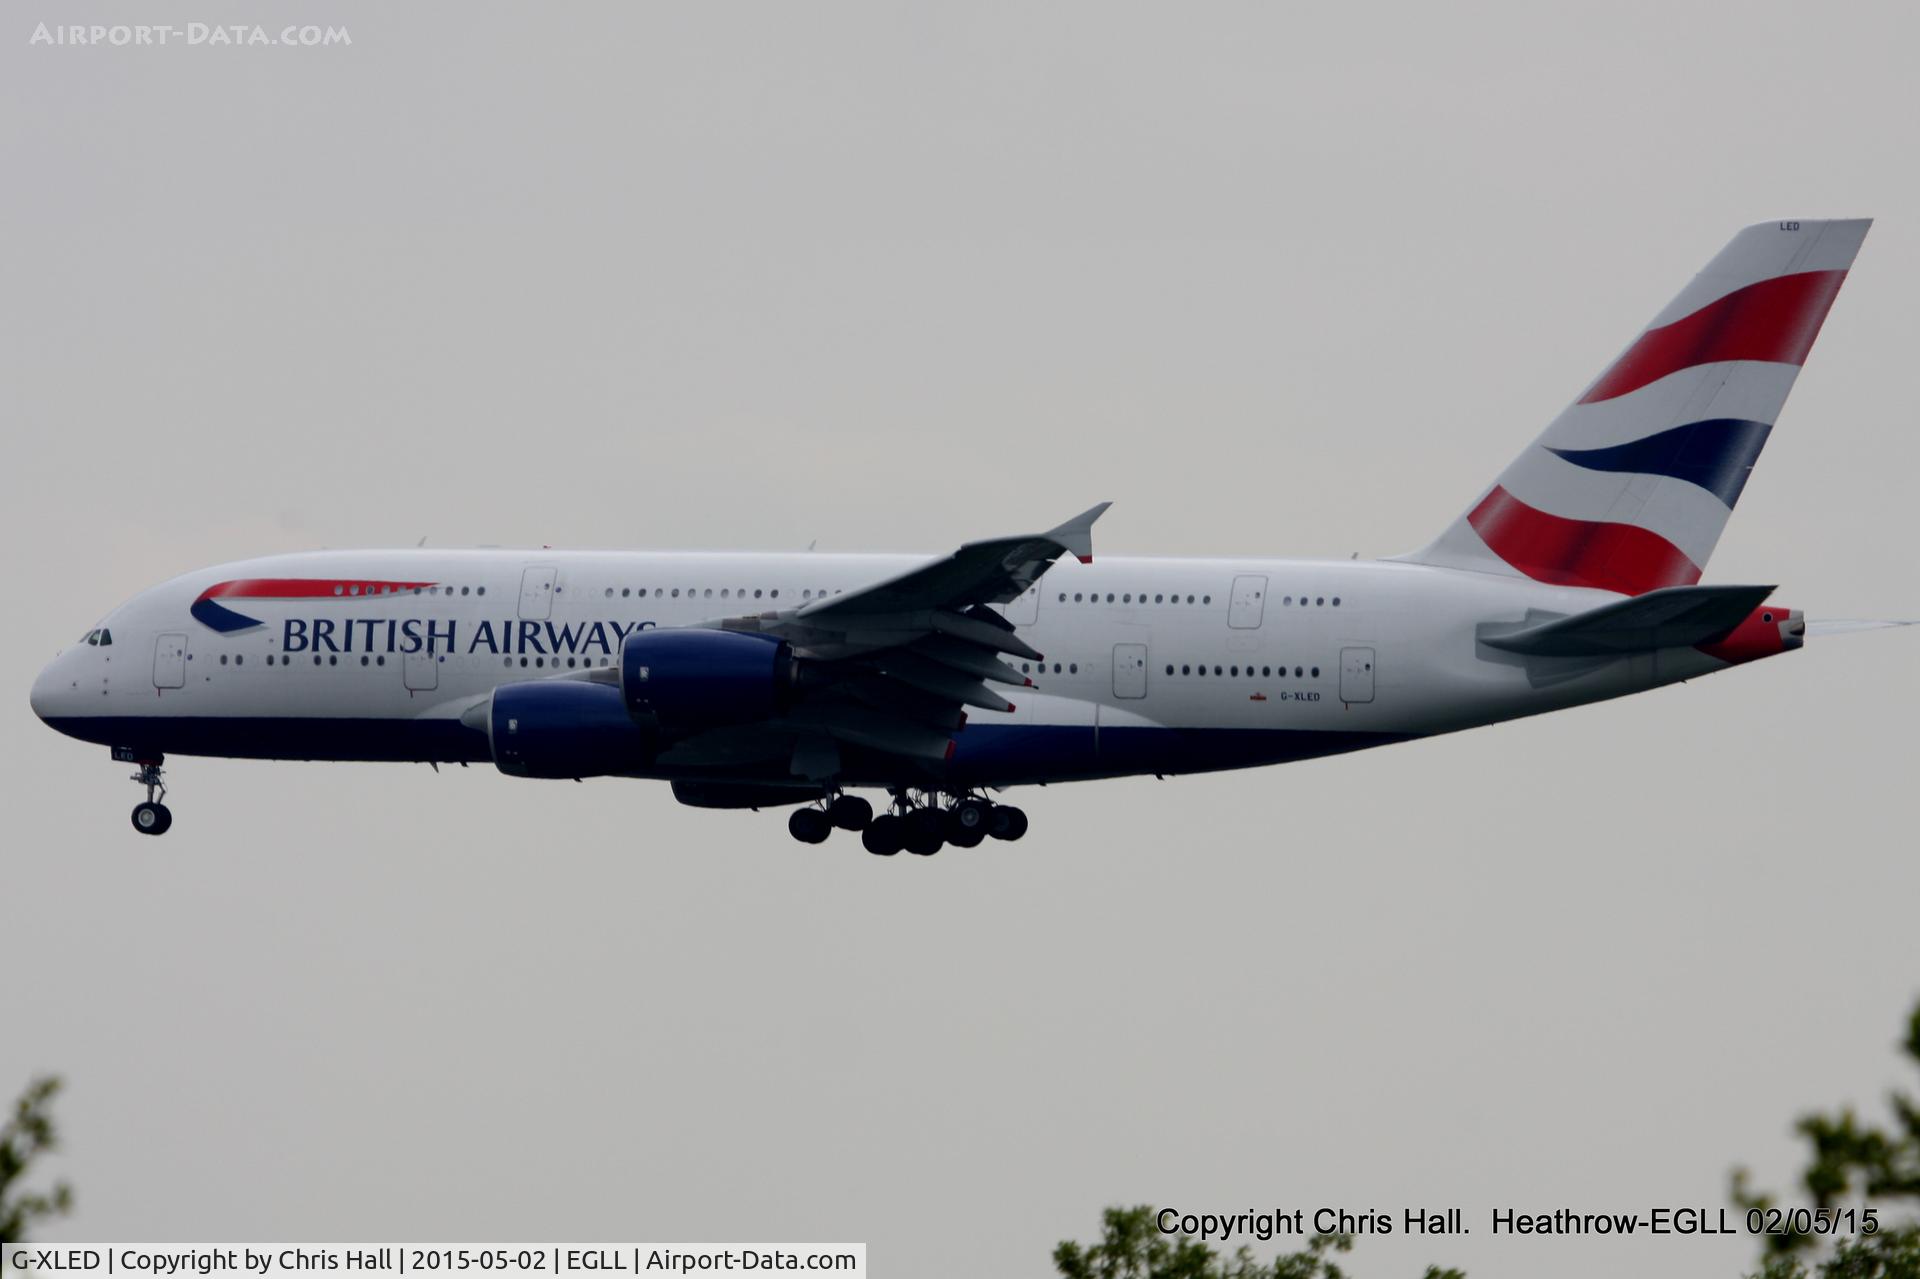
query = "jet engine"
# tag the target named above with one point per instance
(689, 680)
(566, 728)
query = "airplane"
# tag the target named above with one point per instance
(769, 680)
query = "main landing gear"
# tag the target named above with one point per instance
(152, 817)
(919, 825)
(813, 825)
(915, 822)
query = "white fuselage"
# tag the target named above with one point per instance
(1151, 665)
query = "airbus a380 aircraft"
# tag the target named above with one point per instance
(757, 680)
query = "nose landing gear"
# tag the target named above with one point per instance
(152, 817)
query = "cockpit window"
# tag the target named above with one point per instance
(106, 636)
(91, 637)
(99, 636)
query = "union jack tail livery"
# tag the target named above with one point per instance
(1629, 488)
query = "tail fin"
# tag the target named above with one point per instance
(1629, 488)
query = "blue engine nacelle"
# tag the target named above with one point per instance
(566, 728)
(689, 680)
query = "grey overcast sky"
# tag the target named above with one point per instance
(1277, 280)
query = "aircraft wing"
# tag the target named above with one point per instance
(989, 572)
(894, 666)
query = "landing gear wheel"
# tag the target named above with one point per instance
(883, 836)
(152, 819)
(959, 831)
(970, 817)
(923, 831)
(1008, 822)
(809, 826)
(850, 812)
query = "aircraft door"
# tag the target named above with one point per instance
(1356, 675)
(1129, 670)
(536, 593)
(1024, 608)
(1249, 602)
(421, 670)
(170, 661)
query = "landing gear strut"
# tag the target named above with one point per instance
(152, 817)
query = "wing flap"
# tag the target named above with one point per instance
(942, 681)
(971, 660)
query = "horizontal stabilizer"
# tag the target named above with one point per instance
(1676, 617)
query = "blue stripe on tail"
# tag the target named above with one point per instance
(1717, 454)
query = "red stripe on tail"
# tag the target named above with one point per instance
(1548, 548)
(1774, 320)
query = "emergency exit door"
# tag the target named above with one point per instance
(536, 593)
(1356, 674)
(1248, 603)
(1024, 608)
(170, 661)
(421, 670)
(1129, 670)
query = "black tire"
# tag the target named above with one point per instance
(967, 838)
(970, 817)
(882, 836)
(809, 826)
(850, 812)
(1009, 823)
(151, 819)
(923, 837)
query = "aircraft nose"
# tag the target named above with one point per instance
(48, 687)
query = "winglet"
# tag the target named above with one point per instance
(1076, 535)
